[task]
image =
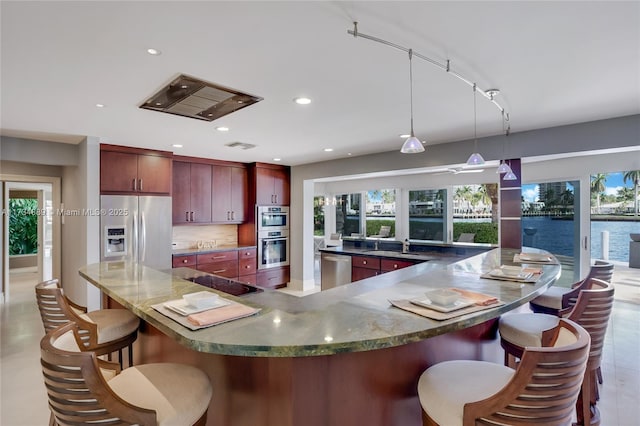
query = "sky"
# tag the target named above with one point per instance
(613, 183)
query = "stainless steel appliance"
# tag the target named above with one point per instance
(273, 218)
(136, 228)
(273, 249)
(335, 270)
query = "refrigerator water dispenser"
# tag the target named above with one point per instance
(115, 238)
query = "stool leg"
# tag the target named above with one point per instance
(120, 357)
(599, 372)
(130, 355)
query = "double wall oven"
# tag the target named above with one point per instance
(273, 236)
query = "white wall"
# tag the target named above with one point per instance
(393, 169)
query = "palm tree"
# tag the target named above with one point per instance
(634, 177)
(597, 186)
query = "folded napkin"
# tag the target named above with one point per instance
(220, 315)
(531, 270)
(478, 298)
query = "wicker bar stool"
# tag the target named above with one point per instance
(103, 331)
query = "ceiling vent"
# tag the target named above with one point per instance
(190, 97)
(240, 145)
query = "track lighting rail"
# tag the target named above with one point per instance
(488, 94)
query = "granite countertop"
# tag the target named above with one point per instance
(195, 250)
(350, 318)
(354, 251)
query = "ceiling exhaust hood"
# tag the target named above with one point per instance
(190, 97)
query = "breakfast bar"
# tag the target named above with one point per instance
(342, 356)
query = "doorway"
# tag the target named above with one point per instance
(30, 230)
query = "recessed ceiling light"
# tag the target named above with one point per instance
(302, 101)
(176, 145)
(222, 129)
(277, 159)
(100, 105)
(328, 149)
(349, 154)
(154, 52)
(404, 136)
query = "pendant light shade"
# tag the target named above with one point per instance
(413, 144)
(475, 159)
(510, 176)
(503, 168)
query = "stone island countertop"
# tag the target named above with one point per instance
(350, 318)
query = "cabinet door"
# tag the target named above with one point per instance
(118, 171)
(264, 186)
(358, 274)
(181, 200)
(273, 277)
(281, 187)
(221, 202)
(366, 262)
(387, 265)
(239, 194)
(200, 193)
(154, 174)
(187, 260)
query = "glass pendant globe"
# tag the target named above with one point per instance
(503, 168)
(475, 159)
(510, 176)
(412, 146)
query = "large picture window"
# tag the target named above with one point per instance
(381, 213)
(427, 210)
(475, 213)
(348, 214)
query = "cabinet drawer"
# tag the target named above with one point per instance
(387, 265)
(225, 268)
(183, 260)
(218, 256)
(365, 262)
(248, 279)
(247, 265)
(248, 253)
(358, 274)
(273, 278)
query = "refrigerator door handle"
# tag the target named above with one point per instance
(134, 244)
(143, 238)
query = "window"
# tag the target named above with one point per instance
(475, 213)
(318, 216)
(348, 214)
(427, 209)
(381, 213)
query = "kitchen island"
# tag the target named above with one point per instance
(343, 356)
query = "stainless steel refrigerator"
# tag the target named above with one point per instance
(137, 229)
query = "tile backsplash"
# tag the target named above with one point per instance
(204, 236)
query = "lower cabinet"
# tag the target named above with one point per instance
(366, 267)
(235, 264)
(273, 277)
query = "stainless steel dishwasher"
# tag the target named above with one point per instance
(335, 270)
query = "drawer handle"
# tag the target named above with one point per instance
(395, 265)
(218, 271)
(248, 253)
(247, 267)
(185, 260)
(364, 262)
(218, 257)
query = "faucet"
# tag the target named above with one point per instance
(405, 245)
(375, 244)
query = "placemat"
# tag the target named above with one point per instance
(517, 259)
(406, 305)
(531, 280)
(182, 320)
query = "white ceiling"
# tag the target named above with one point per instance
(555, 62)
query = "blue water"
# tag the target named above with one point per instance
(556, 236)
(618, 239)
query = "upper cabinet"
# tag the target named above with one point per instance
(272, 185)
(125, 170)
(191, 192)
(230, 201)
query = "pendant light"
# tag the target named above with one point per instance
(412, 145)
(475, 159)
(504, 167)
(510, 175)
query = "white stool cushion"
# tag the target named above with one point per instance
(180, 394)
(444, 388)
(113, 324)
(525, 329)
(552, 298)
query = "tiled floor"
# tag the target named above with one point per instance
(23, 400)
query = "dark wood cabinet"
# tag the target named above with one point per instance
(125, 170)
(230, 193)
(191, 192)
(247, 265)
(366, 266)
(273, 277)
(186, 260)
(272, 186)
(222, 263)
